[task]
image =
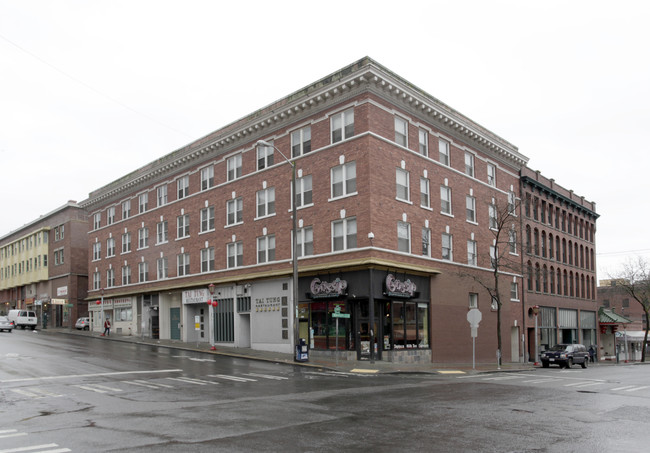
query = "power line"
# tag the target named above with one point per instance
(623, 252)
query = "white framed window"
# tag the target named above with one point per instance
(423, 139)
(401, 131)
(266, 249)
(425, 195)
(161, 266)
(305, 241)
(304, 188)
(471, 253)
(234, 168)
(207, 259)
(183, 226)
(235, 253)
(342, 125)
(97, 252)
(426, 241)
(110, 247)
(143, 202)
(512, 204)
(469, 164)
(126, 275)
(162, 234)
(404, 237)
(447, 247)
(514, 291)
(301, 141)
(110, 215)
(512, 242)
(445, 200)
(126, 209)
(97, 220)
(492, 213)
(161, 192)
(492, 174)
(344, 179)
(470, 208)
(344, 234)
(97, 281)
(110, 278)
(264, 156)
(443, 152)
(143, 238)
(207, 177)
(235, 211)
(266, 202)
(207, 219)
(126, 242)
(402, 184)
(143, 272)
(493, 257)
(183, 264)
(182, 187)
(473, 300)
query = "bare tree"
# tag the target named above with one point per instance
(634, 279)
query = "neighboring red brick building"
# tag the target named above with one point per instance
(395, 197)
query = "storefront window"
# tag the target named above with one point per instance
(410, 325)
(324, 325)
(123, 314)
(423, 326)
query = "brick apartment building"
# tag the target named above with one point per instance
(396, 197)
(623, 321)
(559, 263)
(44, 264)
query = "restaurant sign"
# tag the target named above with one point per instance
(398, 288)
(323, 290)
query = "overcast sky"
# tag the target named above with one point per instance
(92, 90)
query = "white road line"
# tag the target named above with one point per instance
(541, 381)
(624, 387)
(31, 448)
(266, 376)
(232, 378)
(637, 388)
(26, 393)
(110, 389)
(151, 385)
(91, 389)
(501, 378)
(15, 434)
(193, 381)
(589, 384)
(72, 376)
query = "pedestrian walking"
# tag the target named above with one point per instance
(592, 353)
(107, 328)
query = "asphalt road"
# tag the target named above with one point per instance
(66, 393)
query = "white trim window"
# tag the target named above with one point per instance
(161, 268)
(266, 249)
(182, 187)
(97, 281)
(110, 278)
(447, 247)
(207, 219)
(234, 168)
(512, 198)
(126, 209)
(492, 174)
(97, 251)
(469, 164)
(514, 291)
(445, 200)
(305, 241)
(423, 139)
(492, 213)
(143, 202)
(183, 264)
(401, 131)
(425, 194)
(512, 242)
(344, 234)
(126, 242)
(342, 125)
(235, 211)
(207, 259)
(493, 257)
(265, 202)
(301, 141)
(183, 226)
(404, 237)
(472, 253)
(305, 195)
(143, 272)
(161, 192)
(264, 156)
(110, 215)
(207, 177)
(97, 220)
(143, 238)
(443, 152)
(126, 275)
(402, 185)
(426, 241)
(235, 253)
(110, 247)
(344, 179)
(470, 208)
(473, 300)
(162, 234)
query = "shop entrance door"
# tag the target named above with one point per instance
(367, 330)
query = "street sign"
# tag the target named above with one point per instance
(340, 315)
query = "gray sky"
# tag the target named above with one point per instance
(91, 90)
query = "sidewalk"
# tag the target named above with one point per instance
(321, 363)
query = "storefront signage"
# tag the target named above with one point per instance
(268, 304)
(58, 302)
(62, 291)
(322, 290)
(398, 288)
(123, 302)
(196, 296)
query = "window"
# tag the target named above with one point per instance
(161, 195)
(183, 264)
(207, 259)
(183, 226)
(426, 242)
(447, 247)
(514, 291)
(162, 235)
(235, 254)
(183, 187)
(143, 202)
(143, 238)
(344, 179)
(512, 241)
(110, 216)
(425, 199)
(493, 257)
(423, 138)
(266, 202)
(207, 219)
(126, 209)
(473, 300)
(126, 242)
(234, 167)
(264, 156)
(126, 275)
(110, 247)
(342, 125)
(404, 237)
(402, 183)
(97, 220)
(443, 152)
(143, 272)
(401, 131)
(511, 203)
(492, 174)
(445, 200)
(305, 241)
(97, 252)
(207, 177)
(469, 164)
(97, 281)
(304, 189)
(471, 253)
(301, 141)
(234, 211)
(470, 208)
(266, 249)
(110, 278)
(344, 234)
(492, 212)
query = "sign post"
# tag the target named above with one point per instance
(337, 314)
(474, 317)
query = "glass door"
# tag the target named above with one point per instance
(367, 331)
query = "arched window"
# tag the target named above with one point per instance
(582, 256)
(564, 250)
(544, 279)
(570, 252)
(565, 290)
(537, 277)
(550, 246)
(559, 282)
(575, 253)
(552, 281)
(543, 244)
(527, 238)
(582, 286)
(536, 242)
(571, 289)
(529, 271)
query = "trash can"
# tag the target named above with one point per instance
(302, 351)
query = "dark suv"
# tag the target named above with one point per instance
(566, 355)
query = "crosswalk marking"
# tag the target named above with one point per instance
(625, 387)
(637, 388)
(267, 376)
(10, 433)
(541, 381)
(35, 447)
(232, 378)
(110, 389)
(193, 381)
(501, 378)
(92, 389)
(150, 385)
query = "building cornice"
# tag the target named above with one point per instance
(555, 194)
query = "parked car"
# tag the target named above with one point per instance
(565, 355)
(82, 324)
(23, 318)
(6, 324)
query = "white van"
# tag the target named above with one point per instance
(23, 318)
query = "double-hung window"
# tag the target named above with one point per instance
(301, 141)
(97, 251)
(126, 242)
(425, 196)
(304, 189)
(183, 264)
(492, 212)
(344, 179)
(182, 226)
(234, 168)
(234, 211)
(143, 238)
(344, 234)
(110, 247)
(305, 241)
(266, 202)
(143, 202)
(447, 247)
(426, 241)
(423, 138)
(161, 265)
(183, 187)
(207, 177)
(110, 215)
(445, 200)
(443, 152)
(401, 131)
(235, 254)
(512, 242)
(207, 219)
(492, 174)
(471, 253)
(162, 235)
(404, 237)
(126, 209)
(207, 259)
(469, 164)
(402, 184)
(143, 272)
(266, 249)
(264, 156)
(97, 280)
(342, 125)
(97, 220)
(161, 191)
(470, 208)
(110, 278)
(126, 275)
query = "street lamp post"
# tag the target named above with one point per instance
(211, 304)
(294, 303)
(102, 305)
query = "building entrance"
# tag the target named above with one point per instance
(367, 330)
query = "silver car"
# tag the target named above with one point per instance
(5, 324)
(82, 324)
